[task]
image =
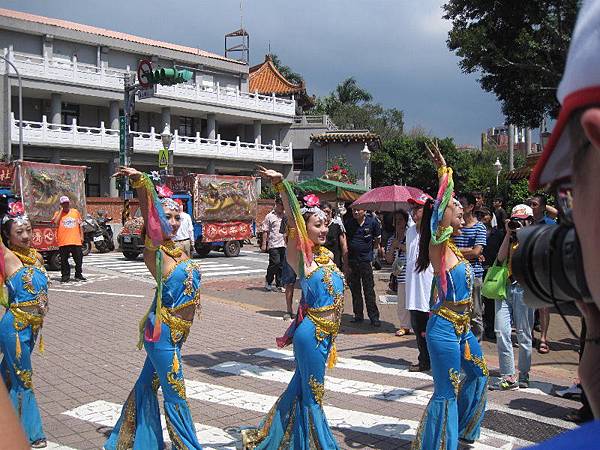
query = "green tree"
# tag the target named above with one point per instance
(286, 71)
(519, 48)
(348, 92)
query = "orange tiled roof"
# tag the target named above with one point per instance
(525, 171)
(342, 136)
(108, 33)
(266, 79)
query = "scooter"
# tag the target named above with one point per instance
(103, 239)
(90, 228)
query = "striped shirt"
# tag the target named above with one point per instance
(401, 256)
(470, 237)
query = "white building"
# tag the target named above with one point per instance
(73, 77)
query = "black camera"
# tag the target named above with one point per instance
(514, 224)
(548, 264)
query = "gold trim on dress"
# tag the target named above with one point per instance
(454, 376)
(127, 431)
(461, 322)
(318, 390)
(180, 328)
(24, 376)
(178, 385)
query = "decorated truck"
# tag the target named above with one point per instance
(222, 207)
(38, 186)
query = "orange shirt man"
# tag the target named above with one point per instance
(69, 237)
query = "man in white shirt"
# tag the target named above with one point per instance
(185, 235)
(274, 242)
(418, 285)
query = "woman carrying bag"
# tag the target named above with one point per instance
(513, 310)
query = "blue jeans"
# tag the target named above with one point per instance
(513, 310)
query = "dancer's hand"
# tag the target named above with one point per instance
(435, 153)
(273, 175)
(125, 171)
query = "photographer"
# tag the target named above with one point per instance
(513, 310)
(570, 164)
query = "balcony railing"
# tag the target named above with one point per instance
(311, 121)
(72, 71)
(101, 138)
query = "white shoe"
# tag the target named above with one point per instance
(268, 287)
(282, 289)
(572, 391)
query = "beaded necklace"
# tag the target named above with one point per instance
(321, 255)
(171, 249)
(28, 257)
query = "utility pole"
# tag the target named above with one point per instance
(511, 147)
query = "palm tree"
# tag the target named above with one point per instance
(348, 92)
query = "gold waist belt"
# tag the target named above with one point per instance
(180, 328)
(326, 320)
(461, 322)
(24, 319)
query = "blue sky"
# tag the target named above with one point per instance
(396, 49)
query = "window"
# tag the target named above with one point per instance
(303, 159)
(186, 126)
(69, 112)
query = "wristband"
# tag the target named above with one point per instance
(279, 187)
(136, 184)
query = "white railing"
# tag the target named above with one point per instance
(308, 121)
(77, 136)
(72, 71)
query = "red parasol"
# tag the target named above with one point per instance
(387, 198)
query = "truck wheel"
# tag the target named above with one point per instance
(232, 248)
(86, 248)
(54, 261)
(131, 256)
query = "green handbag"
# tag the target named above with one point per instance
(494, 284)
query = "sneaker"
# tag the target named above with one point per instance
(65, 280)
(465, 443)
(376, 323)
(505, 384)
(80, 278)
(281, 289)
(572, 391)
(357, 320)
(287, 316)
(40, 443)
(268, 287)
(523, 381)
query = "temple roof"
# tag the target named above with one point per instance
(342, 136)
(266, 79)
(524, 172)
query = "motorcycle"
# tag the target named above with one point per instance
(97, 231)
(103, 240)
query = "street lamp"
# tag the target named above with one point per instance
(498, 169)
(166, 139)
(365, 155)
(20, 108)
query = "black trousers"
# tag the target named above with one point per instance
(418, 321)
(65, 267)
(275, 268)
(361, 281)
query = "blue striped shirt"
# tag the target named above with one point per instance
(470, 237)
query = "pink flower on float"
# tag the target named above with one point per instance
(311, 200)
(335, 168)
(164, 191)
(344, 171)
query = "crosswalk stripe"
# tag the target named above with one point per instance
(354, 364)
(536, 387)
(106, 414)
(235, 272)
(338, 418)
(55, 446)
(341, 385)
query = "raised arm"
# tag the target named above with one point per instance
(440, 221)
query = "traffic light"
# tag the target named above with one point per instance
(170, 76)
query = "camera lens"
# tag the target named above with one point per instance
(548, 265)
(513, 224)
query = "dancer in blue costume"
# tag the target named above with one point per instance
(297, 420)
(26, 305)
(456, 410)
(162, 331)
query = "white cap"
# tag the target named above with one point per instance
(64, 199)
(579, 87)
(521, 212)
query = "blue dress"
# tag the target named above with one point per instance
(19, 329)
(457, 406)
(139, 424)
(297, 420)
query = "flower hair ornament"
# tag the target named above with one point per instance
(16, 212)
(169, 203)
(311, 205)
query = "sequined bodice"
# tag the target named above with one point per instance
(181, 284)
(460, 284)
(28, 284)
(322, 286)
